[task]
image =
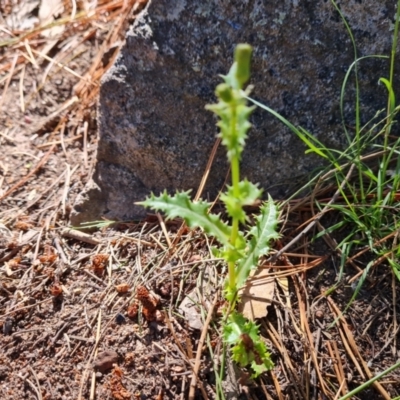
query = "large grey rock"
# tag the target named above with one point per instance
(154, 130)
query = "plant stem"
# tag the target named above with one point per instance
(235, 173)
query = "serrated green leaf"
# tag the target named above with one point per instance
(233, 207)
(195, 214)
(234, 132)
(265, 228)
(230, 78)
(234, 117)
(231, 254)
(258, 369)
(224, 92)
(234, 327)
(248, 194)
(248, 348)
(216, 252)
(243, 357)
(261, 235)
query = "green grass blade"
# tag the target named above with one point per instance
(370, 382)
(392, 97)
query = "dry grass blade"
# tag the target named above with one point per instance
(315, 219)
(345, 340)
(307, 331)
(342, 381)
(93, 382)
(32, 172)
(348, 334)
(338, 367)
(196, 366)
(276, 339)
(277, 385)
(54, 116)
(10, 75)
(203, 392)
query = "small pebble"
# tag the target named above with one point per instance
(41, 376)
(8, 326)
(105, 360)
(319, 314)
(119, 319)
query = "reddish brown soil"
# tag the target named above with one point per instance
(65, 301)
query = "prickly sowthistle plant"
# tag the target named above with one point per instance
(240, 250)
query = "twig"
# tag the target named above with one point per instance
(2, 317)
(14, 63)
(32, 172)
(81, 236)
(39, 395)
(39, 392)
(93, 385)
(54, 115)
(338, 371)
(164, 230)
(85, 155)
(276, 339)
(340, 388)
(340, 366)
(62, 141)
(69, 174)
(199, 347)
(21, 89)
(208, 168)
(276, 384)
(348, 334)
(91, 356)
(52, 60)
(307, 331)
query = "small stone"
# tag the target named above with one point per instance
(4, 370)
(119, 319)
(177, 369)
(105, 360)
(189, 309)
(41, 376)
(8, 326)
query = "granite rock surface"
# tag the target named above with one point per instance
(154, 132)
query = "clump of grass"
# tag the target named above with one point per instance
(241, 250)
(366, 175)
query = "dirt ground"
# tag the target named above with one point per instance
(98, 315)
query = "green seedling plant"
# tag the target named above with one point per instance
(241, 250)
